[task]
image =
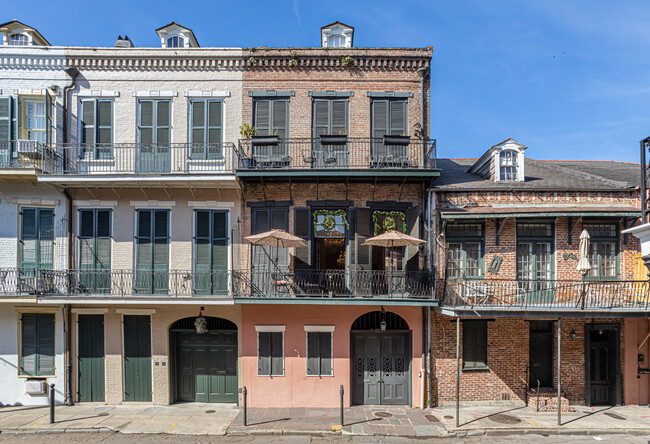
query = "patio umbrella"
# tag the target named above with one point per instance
(393, 238)
(583, 249)
(276, 238)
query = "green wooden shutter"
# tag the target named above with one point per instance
(263, 117)
(412, 229)
(163, 121)
(5, 119)
(145, 122)
(321, 117)
(28, 342)
(280, 220)
(313, 354)
(260, 224)
(302, 229)
(398, 118)
(339, 117)
(215, 122)
(88, 122)
(325, 350)
(280, 118)
(45, 239)
(202, 252)
(379, 118)
(197, 129)
(45, 344)
(144, 251)
(277, 354)
(28, 239)
(91, 384)
(263, 353)
(161, 251)
(363, 232)
(219, 252)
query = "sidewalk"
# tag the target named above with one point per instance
(220, 419)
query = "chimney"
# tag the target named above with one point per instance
(123, 42)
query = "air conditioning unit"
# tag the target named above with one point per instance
(35, 387)
(27, 146)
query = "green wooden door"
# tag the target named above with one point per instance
(91, 358)
(137, 358)
(6, 127)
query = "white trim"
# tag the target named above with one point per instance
(319, 328)
(95, 203)
(136, 311)
(204, 93)
(137, 300)
(208, 204)
(91, 311)
(154, 93)
(97, 93)
(37, 201)
(153, 203)
(217, 177)
(270, 328)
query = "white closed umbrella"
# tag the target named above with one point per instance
(583, 249)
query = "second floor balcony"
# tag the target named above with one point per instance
(337, 155)
(25, 159)
(140, 160)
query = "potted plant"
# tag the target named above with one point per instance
(247, 131)
(397, 140)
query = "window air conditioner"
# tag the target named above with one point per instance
(35, 387)
(27, 146)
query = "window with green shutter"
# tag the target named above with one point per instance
(152, 251)
(319, 353)
(37, 344)
(154, 136)
(95, 249)
(475, 345)
(96, 127)
(206, 125)
(330, 117)
(36, 239)
(270, 357)
(210, 251)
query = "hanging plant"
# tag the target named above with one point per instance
(390, 221)
(329, 221)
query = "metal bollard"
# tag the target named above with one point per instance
(341, 390)
(51, 403)
(244, 392)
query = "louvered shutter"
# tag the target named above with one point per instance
(280, 118)
(280, 220)
(45, 344)
(45, 239)
(5, 121)
(302, 229)
(313, 354)
(161, 251)
(197, 129)
(261, 224)
(28, 355)
(28, 238)
(215, 125)
(398, 118)
(277, 351)
(88, 122)
(163, 121)
(146, 121)
(264, 354)
(325, 350)
(202, 262)
(263, 117)
(379, 118)
(86, 239)
(144, 250)
(339, 117)
(49, 111)
(412, 229)
(105, 128)
(219, 250)
(363, 232)
(321, 117)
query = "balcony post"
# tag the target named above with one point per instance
(559, 369)
(457, 371)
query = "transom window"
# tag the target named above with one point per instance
(330, 223)
(534, 230)
(508, 165)
(176, 42)
(603, 250)
(18, 40)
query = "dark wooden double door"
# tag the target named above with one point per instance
(381, 368)
(206, 366)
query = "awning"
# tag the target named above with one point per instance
(522, 212)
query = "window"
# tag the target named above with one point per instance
(465, 257)
(474, 345)
(37, 344)
(210, 251)
(152, 252)
(270, 355)
(154, 135)
(336, 41)
(96, 127)
(34, 120)
(206, 129)
(389, 117)
(271, 117)
(508, 165)
(319, 353)
(18, 40)
(265, 219)
(95, 249)
(330, 117)
(603, 250)
(36, 239)
(176, 42)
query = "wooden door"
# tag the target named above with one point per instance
(137, 358)
(91, 358)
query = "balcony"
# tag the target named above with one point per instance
(546, 295)
(142, 161)
(337, 156)
(22, 160)
(332, 286)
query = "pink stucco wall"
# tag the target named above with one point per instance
(295, 389)
(636, 386)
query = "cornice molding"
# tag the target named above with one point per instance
(258, 61)
(171, 63)
(32, 62)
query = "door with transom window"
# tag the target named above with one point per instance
(154, 135)
(535, 248)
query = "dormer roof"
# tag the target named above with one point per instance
(15, 27)
(487, 165)
(337, 28)
(172, 29)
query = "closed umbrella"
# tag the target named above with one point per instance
(583, 249)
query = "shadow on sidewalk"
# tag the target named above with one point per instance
(266, 422)
(100, 415)
(362, 421)
(12, 409)
(586, 415)
(491, 414)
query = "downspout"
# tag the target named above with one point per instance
(73, 73)
(423, 73)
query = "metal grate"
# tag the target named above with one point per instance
(372, 321)
(213, 324)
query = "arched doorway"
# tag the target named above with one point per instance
(204, 366)
(381, 359)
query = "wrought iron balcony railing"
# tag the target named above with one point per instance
(26, 154)
(343, 154)
(546, 294)
(341, 284)
(143, 159)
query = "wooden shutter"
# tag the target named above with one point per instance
(145, 122)
(6, 106)
(263, 117)
(321, 117)
(219, 251)
(88, 121)
(163, 121)
(280, 118)
(104, 121)
(379, 118)
(86, 239)
(28, 238)
(313, 354)
(412, 229)
(45, 344)
(45, 239)
(264, 354)
(197, 129)
(48, 118)
(161, 251)
(214, 122)
(277, 354)
(339, 117)
(363, 231)
(325, 348)
(398, 118)
(280, 219)
(302, 229)
(103, 243)
(144, 248)
(28, 344)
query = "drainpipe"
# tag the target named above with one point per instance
(423, 73)
(73, 73)
(429, 366)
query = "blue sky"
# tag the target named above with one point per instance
(569, 79)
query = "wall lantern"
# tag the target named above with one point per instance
(573, 334)
(382, 324)
(200, 323)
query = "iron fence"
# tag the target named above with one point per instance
(27, 154)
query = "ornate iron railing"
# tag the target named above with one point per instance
(27, 154)
(546, 294)
(348, 153)
(143, 159)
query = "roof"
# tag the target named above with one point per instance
(544, 175)
(37, 34)
(536, 211)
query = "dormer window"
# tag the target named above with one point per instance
(508, 165)
(336, 35)
(336, 41)
(18, 40)
(176, 42)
